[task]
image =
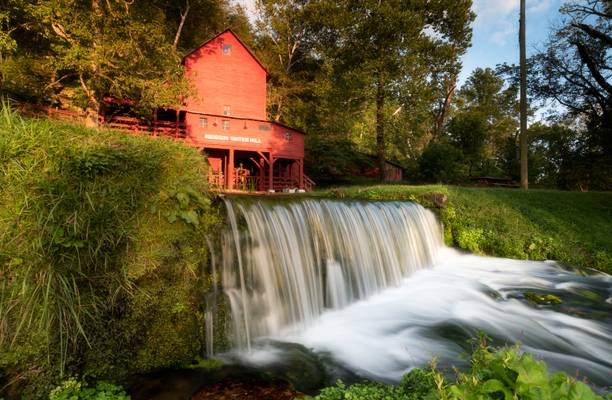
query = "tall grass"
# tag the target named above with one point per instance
(84, 215)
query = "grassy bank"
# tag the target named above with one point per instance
(571, 227)
(101, 254)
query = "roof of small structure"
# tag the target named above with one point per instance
(390, 162)
(239, 41)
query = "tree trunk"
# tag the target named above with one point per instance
(449, 91)
(179, 30)
(380, 124)
(92, 109)
(523, 102)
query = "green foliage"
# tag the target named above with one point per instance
(206, 363)
(100, 252)
(416, 385)
(570, 227)
(332, 160)
(441, 162)
(74, 390)
(504, 373)
(509, 374)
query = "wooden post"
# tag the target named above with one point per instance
(176, 129)
(230, 171)
(270, 180)
(262, 174)
(301, 166)
(523, 101)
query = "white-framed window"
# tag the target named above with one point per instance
(227, 49)
(225, 125)
(226, 110)
(203, 122)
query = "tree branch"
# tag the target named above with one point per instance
(594, 33)
(586, 58)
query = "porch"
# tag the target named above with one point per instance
(255, 171)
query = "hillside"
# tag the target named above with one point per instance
(100, 253)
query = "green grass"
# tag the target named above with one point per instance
(100, 253)
(571, 227)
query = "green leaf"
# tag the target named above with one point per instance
(495, 386)
(190, 217)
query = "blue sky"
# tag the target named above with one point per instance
(495, 38)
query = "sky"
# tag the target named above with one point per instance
(495, 35)
(495, 31)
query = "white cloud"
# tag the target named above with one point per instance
(498, 19)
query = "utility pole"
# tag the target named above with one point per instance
(523, 101)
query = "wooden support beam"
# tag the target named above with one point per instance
(301, 164)
(270, 178)
(262, 174)
(263, 156)
(230, 170)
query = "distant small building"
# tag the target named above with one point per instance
(393, 171)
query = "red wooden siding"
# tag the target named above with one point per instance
(236, 80)
(227, 119)
(245, 134)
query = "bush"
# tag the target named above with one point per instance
(441, 162)
(74, 390)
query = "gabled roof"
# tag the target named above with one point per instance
(239, 41)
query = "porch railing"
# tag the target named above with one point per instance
(176, 130)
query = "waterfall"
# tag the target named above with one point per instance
(284, 264)
(371, 286)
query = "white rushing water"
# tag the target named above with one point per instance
(434, 312)
(372, 286)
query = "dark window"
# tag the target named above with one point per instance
(227, 49)
(225, 125)
(203, 122)
(226, 110)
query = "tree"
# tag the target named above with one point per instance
(101, 48)
(468, 132)
(282, 40)
(485, 93)
(574, 71)
(523, 100)
(76, 53)
(373, 45)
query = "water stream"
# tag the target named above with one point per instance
(371, 286)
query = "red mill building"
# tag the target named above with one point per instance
(227, 119)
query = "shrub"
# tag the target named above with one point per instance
(71, 389)
(441, 162)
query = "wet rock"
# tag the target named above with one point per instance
(439, 200)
